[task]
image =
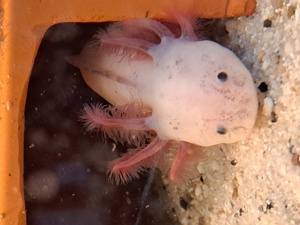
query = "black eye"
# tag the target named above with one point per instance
(221, 130)
(222, 76)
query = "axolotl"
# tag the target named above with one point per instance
(164, 89)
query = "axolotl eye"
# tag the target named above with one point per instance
(222, 76)
(221, 130)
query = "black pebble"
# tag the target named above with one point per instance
(233, 162)
(183, 203)
(201, 180)
(268, 23)
(274, 117)
(263, 87)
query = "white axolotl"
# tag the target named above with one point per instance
(164, 89)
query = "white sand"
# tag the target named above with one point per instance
(257, 181)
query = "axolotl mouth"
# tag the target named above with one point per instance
(164, 90)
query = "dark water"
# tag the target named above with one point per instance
(65, 166)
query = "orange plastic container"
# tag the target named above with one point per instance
(23, 25)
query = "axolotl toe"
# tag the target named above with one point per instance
(164, 89)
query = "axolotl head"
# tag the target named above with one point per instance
(207, 95)
(198, 91)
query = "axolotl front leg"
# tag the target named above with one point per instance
(124, 123)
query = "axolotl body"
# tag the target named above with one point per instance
(164, 89)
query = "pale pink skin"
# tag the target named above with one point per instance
(166, 90)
